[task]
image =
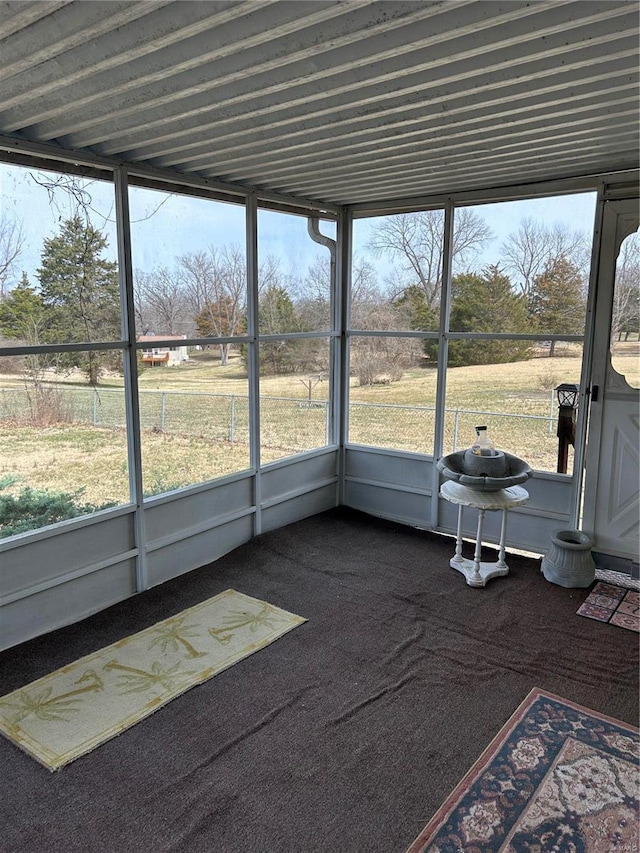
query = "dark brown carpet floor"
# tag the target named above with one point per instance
(344, 735)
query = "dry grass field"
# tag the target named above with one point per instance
(195, 421)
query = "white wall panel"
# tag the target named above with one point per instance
(396, 486)
(550, 494)
(387, 502)
(169, 516)
(191, 552)
(389, 484)
(65, 603)
(412, 471)
(284, 478)
(302, 506)
(69, 549)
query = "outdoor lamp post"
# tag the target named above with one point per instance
(567, 403)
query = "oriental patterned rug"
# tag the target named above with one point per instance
(557, 777)
(69, 712)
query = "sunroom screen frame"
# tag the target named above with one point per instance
(97, 560)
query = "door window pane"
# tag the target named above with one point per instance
(625, 321)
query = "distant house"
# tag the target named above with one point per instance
(163, 355)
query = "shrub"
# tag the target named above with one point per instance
(31, 508)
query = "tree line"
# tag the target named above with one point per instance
(538, 284)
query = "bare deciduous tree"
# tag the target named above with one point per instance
(161, 302)
(417, 239)
(11, 243)
(527, 251)
(626, 300)
(365, 292)
(314, 303)
(216, 287)
(270, 274)
(317, 279)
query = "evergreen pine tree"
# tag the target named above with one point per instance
(22, 313)
(486, 303)
(557, 302)
(80, 294)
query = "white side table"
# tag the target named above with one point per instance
(476, 572)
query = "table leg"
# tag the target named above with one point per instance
(458, 558)
(476, 578)
(503, 538)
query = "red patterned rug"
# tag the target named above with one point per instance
(557, 777)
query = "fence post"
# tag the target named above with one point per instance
(456, 423)
(95, 407)
(551, 408)
(163, 410)
(232, 425)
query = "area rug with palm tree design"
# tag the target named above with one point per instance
(69, 712)
(557, 776)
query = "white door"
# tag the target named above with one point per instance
(611, 513)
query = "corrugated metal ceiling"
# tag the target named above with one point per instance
(338, 102)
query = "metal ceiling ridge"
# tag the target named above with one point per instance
(157, 41)
(510, 192)
(441, 185)
(319, 16)
(59, 157)
(488, 160)
(306, 53)
(182, 116)
(404, 156)
(496, 107)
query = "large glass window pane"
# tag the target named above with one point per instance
(294, 298)
(294, 276)
(63, 447)
(516, 400)
(194, 421)
(532, 271)
(396, 285)
(294, 405)
(397, 267)
(62, 414)
(189, 266)
(190, 281)
(530, 278)
(392, 392)
(58, 263)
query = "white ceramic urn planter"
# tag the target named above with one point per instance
(569, 562)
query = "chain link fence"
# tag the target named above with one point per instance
(412, 428)
(293, 425)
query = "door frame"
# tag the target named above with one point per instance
(618, 217)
